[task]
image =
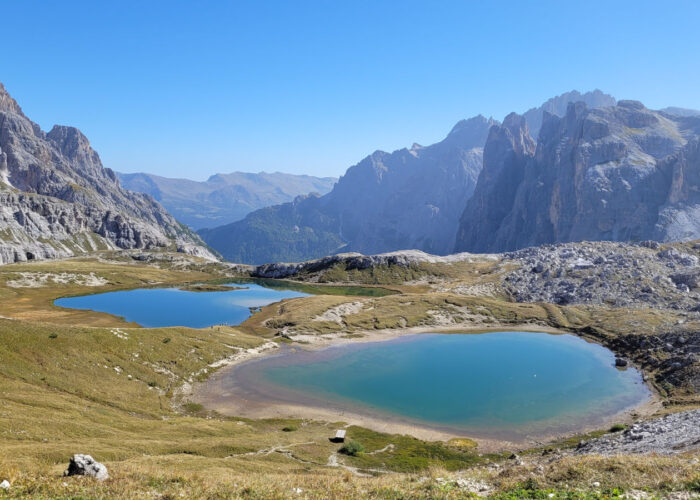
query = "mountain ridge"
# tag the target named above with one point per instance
(411, 198)
(58, 200)
(622, 173)
(224, 197)
(407, 198)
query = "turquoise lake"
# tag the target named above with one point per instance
(160, 307)
(507, 385)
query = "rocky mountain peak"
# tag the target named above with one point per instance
(470, 133)
(616, 173)
(513, 135)
(72, 143)
(516, 124)
(558, 106)
(7, 103)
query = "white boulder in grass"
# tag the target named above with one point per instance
(5, 485)
(85, 465)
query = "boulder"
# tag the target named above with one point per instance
(620, 362)
(85, 465)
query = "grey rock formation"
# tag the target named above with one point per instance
(610, 273)
(411, 198)
(508, 149)
(224, 198)
(57, 200)
(558, 105)
(85, 465)
(616, 173)
(675, 433)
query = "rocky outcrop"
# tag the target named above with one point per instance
(675, 433)
(85, 465)
(351, 261)
(646, 275)
(673, 357)
(57, 200)
(616, 173)
(224, 198)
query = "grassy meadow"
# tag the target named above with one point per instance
(86, 382)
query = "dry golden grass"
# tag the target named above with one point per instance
(65, 388)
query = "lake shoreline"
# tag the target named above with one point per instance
(212, 395)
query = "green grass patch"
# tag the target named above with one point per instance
(352, 449)
(408, 454)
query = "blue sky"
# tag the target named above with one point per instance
(193, 88)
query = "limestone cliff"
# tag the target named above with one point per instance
(57, 200)
(621, 173)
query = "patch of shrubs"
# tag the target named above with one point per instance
(352, 449)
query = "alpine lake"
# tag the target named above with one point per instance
(500, 385)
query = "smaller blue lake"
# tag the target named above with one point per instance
(161, 307)
(505, 385)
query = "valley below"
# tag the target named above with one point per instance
(148, 403)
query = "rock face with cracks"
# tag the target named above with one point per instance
(620, 173)
(57, 200)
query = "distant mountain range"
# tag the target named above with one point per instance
(57, 200)
(224, 198)
(411, 198)
(597, 170)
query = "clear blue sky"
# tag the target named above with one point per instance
(193, 88)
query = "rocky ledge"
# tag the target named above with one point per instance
(404, 258)
(673, 357)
